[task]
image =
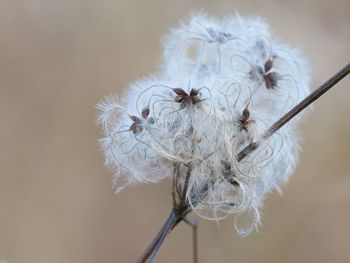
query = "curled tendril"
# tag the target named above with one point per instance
(222, 84)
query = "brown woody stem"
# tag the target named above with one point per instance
(297, 109)
(177, 217)
(153, 248)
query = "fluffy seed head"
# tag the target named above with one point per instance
(222, 85)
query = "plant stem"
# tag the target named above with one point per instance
(153, 248)
(297, 109)
(193, 224)
(175, 218)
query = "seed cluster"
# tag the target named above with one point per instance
(222, 85)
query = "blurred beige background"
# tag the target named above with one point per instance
(59, 58)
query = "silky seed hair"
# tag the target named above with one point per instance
(223, 83)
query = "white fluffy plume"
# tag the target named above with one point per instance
(223, 84)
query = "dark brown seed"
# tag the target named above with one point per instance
(245, 114)
(268, 65)
(194, 92)
(179, 98)
(136, 128)
(134, 118)
(180, 92)
(145, 112)
(271, 80)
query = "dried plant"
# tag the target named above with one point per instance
(206, 121)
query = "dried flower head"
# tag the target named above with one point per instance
(223, 84)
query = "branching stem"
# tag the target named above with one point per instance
(178, 216)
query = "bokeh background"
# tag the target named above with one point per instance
(59, 58)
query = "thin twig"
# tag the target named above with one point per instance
(297, 109)
(153, 248)
(195, 242)
(177, 217)
(193, 224)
